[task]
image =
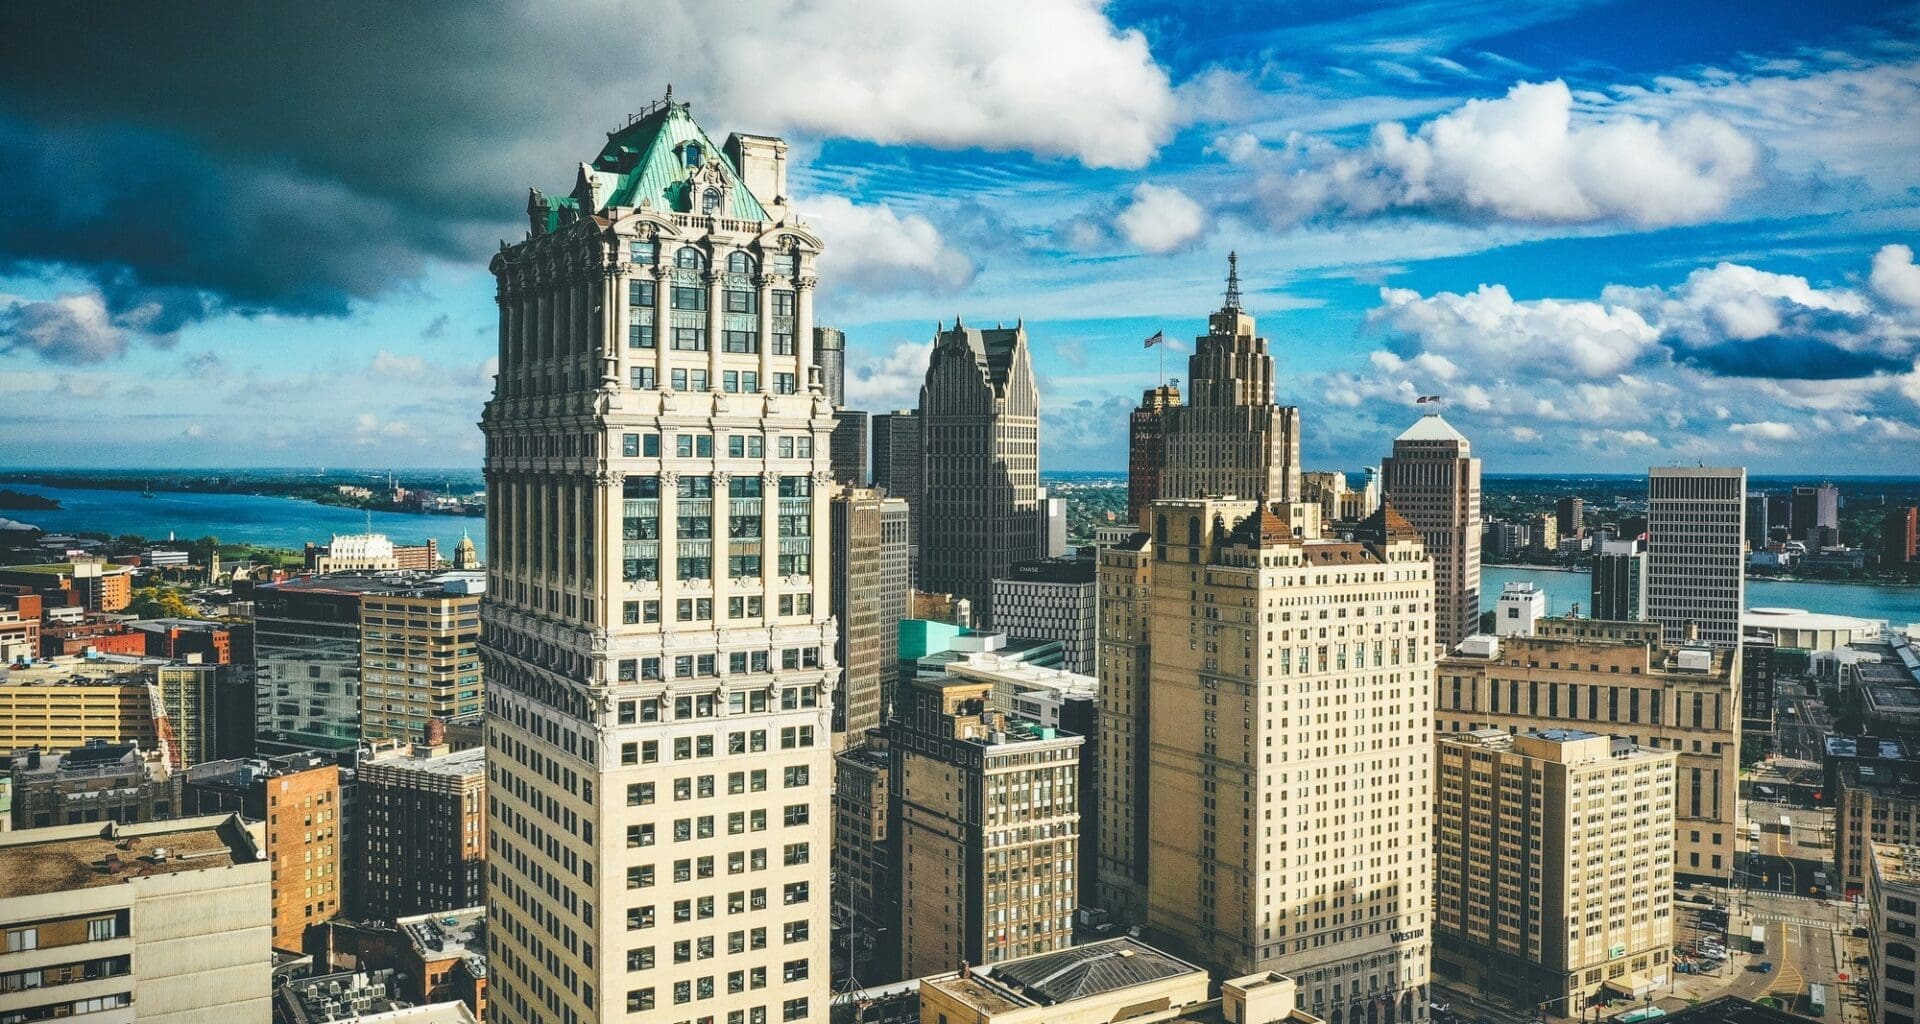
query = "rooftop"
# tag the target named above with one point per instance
(1052, 570)
(382, 582)
(1731, 1010)
(64, 858)
(1432, 427)
(453, 933)
(1085, 971)
(421, 758)
(1897, 863)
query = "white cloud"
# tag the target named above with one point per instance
(1492, 332)
(870, 248)
(75, 328)
(1629, 439)
(1765, 430)
(1528, 157)
(1895, 278)
(891, 381)
(1162, 219)
(1053, 77)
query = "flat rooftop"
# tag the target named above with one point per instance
(1731, 1010)
(65, 858)
(1049, 979)
(454, 933)
(456, 763)
(380, 583)
(1051, 570)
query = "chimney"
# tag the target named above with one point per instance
(436, 732)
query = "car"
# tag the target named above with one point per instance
(1764, 967)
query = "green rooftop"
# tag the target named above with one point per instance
(656, 159)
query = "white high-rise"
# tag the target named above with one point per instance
(1696, 552)
(659, 650)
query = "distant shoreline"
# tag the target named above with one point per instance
(1882, 584)
(257, 489)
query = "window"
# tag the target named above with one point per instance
(689, 297)
(782, 343)
(639, 794)
(640, 293)
(783, 303)
(710, 202)
(797, 776)
(642, 252)
(746, 486)
(640, 998)
(640, 876)
(739, 263)
(740, 300)
(639, 335)
(640, 378)
(740, 341)
(640, 959)
(23, 939)
(783, 383)
(692, 156)
(689, 258)
(797, 814)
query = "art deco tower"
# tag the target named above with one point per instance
(1230, 438)
(658, 646)
(980, 458)
(1434, 480)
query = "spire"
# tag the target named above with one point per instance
(1233, 281)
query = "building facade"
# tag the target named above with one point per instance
(1125, 580)
(164, 922)
(1231, 437)
(419, 659)
(63, 705)
(1052, 599)
(1433, 479)
(100, 781)
(1893, 901)
(1696, 552)
(849, 447)
(1570, 516)
(984, 829)
(1616, 678)
(856, 589)
(1900, 536)
(898, 559)
(421, 826)
(1147, 446)
(658, 636)
(1553, 865)
(1290, 750)
(296, 801)
(980, 461)
(830, 355)
(1618, 586)
(865, 897)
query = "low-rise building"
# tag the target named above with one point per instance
(296, 799)
(1616, 678)
(445, 958)
(1553, 865)
(163, 922)
(96, 782)
(62, 703)
(93, 585)
(1102, 982)
(420, 820)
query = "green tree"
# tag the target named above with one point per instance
(160, 603)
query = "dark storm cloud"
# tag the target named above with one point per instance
(1791, 358)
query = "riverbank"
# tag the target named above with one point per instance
(326, 490)
(1899, 605)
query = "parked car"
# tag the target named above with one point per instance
(1764, 967)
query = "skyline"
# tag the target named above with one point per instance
(1450, 213)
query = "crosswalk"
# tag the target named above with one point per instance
(1808, 922)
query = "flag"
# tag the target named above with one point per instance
(1158, 337)
(1424, 399)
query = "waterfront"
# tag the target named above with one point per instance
(234, 518)
(1900, 606)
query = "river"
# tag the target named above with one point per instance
(1898, 605)
(234, 518)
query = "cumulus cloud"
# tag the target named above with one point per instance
(891, 380)
(1161, 219)
(190, 186)
(70, 329)
(871, 248)
(1765, 430)
(1895, 278)
(1529, 157)
(1490, 330)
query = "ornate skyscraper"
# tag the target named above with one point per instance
(1434, 480)
(980, 458)
(659, 650)
(1230, 438)
(1147, 446)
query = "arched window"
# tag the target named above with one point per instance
(739, 263)
(1193, 530)
(689, 258)
(692, 154)
(710, 202)
(1160, 528)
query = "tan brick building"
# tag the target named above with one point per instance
(1553, 865)
(1616, 678)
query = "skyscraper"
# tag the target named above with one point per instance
(1619, 581)
(1900, 536)
(1570, 516)
(659, 649)
(1696, 551)
(1757, 525)
(980, 452)
(1284, 835)
(1147, 446)
(849, 447)
(1125, 589)
(896, 454)
(1434, 480)
(897, 561)
(830, 355)
(1052, 599)
(856, 587)
(1816, 515)
(1230, 438)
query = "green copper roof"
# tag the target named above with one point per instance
(647, 161)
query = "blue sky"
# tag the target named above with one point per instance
(1611, 234)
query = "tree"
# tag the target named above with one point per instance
(160, 603)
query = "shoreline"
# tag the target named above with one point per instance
(250, 494)
(1804, 581)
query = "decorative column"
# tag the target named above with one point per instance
(803, 328)
(712, 279)
(763, 284)
(662, 323)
